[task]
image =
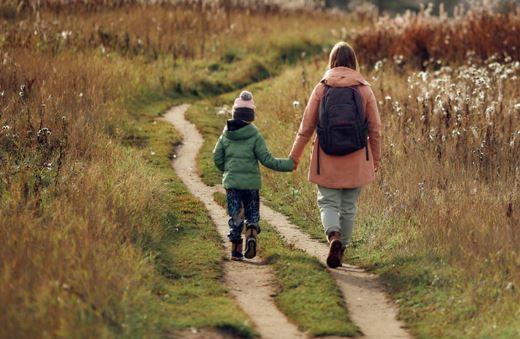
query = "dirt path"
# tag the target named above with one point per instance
(250, 282)
(368, 305)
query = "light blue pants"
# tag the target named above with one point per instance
(338, 210)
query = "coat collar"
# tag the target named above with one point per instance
(343, 77)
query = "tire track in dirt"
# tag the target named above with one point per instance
(250, 282)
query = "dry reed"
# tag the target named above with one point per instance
(422, 39)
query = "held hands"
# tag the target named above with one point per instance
(296, 162)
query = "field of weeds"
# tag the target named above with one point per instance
(440, 224)
(89, 207)
(418, 39)
(86, 212)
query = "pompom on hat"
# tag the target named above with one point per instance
(244, 107)
(245, 99)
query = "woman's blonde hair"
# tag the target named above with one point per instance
(343, 55)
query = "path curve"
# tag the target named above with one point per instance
(368, 305)
(250, 282)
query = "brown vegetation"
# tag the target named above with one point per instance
(183, 30)
(453, 160)
(421, 39)
(442, 218)
(81, 216)
(70, 218)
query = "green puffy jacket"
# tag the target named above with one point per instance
(237, 153)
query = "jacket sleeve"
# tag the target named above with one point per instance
(219, 155)
(308, 123)
(265, 157)
(374, 128)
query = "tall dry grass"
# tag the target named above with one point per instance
(456, 128)
(442, 217)
(185, 30)
(447, 194)
(80, 215)
(72, 223)
(24, 7)
(420, 39)
(452, 152)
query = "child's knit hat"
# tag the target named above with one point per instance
(244, 107)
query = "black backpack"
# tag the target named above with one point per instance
(342, 124)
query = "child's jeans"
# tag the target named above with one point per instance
(250, 201)
(338, 210)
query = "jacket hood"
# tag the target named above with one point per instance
(235, 124)
(245, 132)
(343, 77)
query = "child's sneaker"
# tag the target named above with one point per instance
(251, 233)
(236, 251)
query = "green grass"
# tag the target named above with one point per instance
(436, 299)
(189, 257)
(241, 67)
(307, 293)
(190, 269)
(191, 288)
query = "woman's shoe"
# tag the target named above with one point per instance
(236, 251)
(251, 233)
(335, 250)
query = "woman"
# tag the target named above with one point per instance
(340, 177)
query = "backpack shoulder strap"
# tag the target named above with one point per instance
(327, 87)
(362, 116)
(359, 102)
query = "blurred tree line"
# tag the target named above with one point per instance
(397, 6)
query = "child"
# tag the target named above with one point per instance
(237, 153)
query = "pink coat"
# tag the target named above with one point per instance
(351, 170)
